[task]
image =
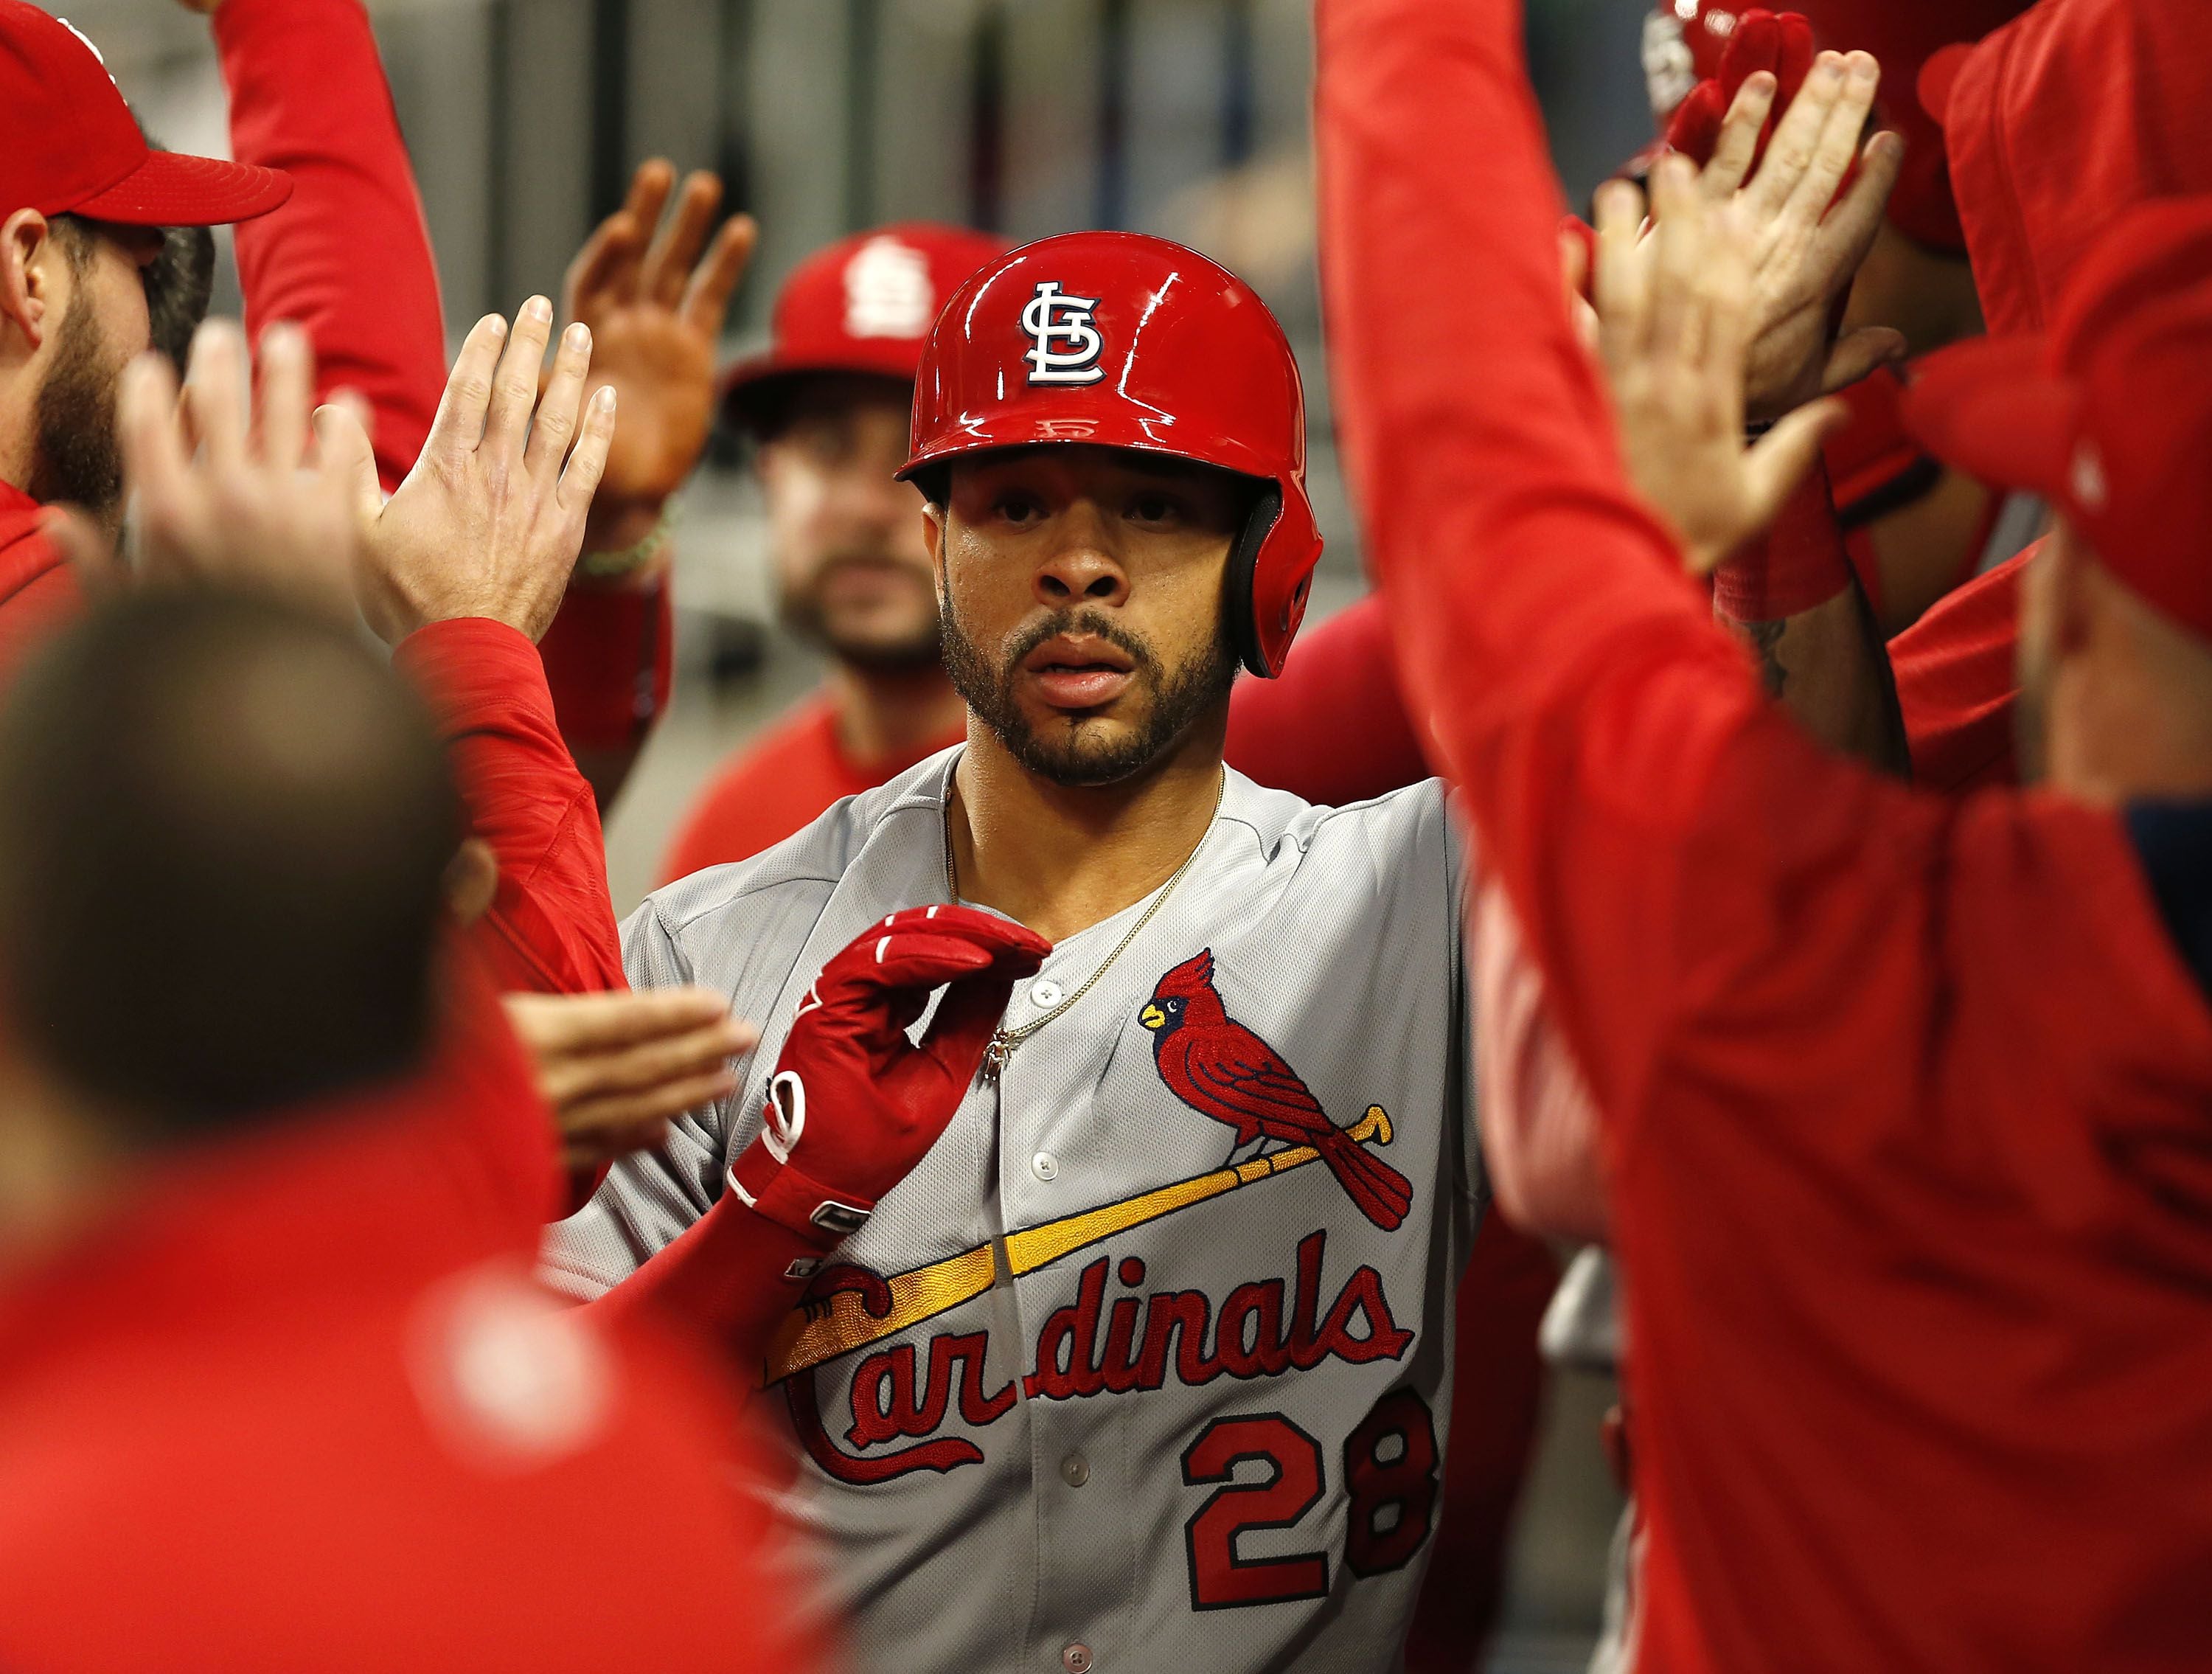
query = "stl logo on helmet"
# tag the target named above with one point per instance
(1051, 318)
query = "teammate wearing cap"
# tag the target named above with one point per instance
(1220, 1150)
(82, 201)
(1902, 1096)
(827, 408)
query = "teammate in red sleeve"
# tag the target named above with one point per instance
(827, 407)
(2141, 128)
(373, 1441)
(1902, 1095)
(83, 202)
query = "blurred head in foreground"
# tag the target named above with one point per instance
(223, 833)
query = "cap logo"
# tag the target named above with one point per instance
(887, 291)
(1051, 318)
(2089, 485)
(1669, 72)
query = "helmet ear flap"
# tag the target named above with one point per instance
(1238, 605)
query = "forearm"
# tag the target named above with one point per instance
(349, 256)
(608, 658)
(551, 926)
(1795, 602)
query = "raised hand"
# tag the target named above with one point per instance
(618, 1068)
(1806, 241)
(655, 306)
(490, 521)
(1675, 328)
(222, 499)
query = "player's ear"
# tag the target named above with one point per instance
(932, 536)
(31, 256)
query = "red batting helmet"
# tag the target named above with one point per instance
(1684, 41)
(863, 304)
(1120, 340)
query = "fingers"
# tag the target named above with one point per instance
(600, 1022)
(1848, 229)
(579, 478)
(1623, 294)
(1677, 324)
(1694, 130)
(514, 382)
(285, 397)
(1837, 146)
(707, 298)
(1797, 137)
(668, 263)
(699, 1054)
(345, 456)
(155, 463)
(216, 383)
(555, 424)
(965, 1020)
(605, 272)
(1860, 353)
(459, 424)
(1773, 469)
(1730, 322)
(1737, 146)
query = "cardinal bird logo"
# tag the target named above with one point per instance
(1220, 1068)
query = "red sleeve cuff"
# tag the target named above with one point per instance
(474, 670)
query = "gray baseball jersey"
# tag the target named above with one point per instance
(1147, 1365)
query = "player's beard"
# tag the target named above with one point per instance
(802, 613)
(74, 454)
(1070, 751)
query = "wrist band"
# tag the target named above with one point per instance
(613, 566)
(1800, 563)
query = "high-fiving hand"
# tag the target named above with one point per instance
(221, 499)
(655, 304)
(491, 521)
(1676, 326)
(1807, 243)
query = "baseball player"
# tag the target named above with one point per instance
(1148, 1357)
(826, 408)
(1903, 1096)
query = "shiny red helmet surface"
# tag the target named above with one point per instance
(1120, 340)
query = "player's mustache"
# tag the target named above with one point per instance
(1096, 623)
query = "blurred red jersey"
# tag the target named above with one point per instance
(299, 1405)
(779, 783)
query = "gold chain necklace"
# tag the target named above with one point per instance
(1004, 1040)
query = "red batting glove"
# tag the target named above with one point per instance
(853, 1106)
(1780, 43)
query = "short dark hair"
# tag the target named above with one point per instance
(224, 830)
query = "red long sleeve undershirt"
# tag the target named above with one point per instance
(349, 256)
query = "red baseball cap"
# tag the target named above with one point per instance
(864, 304)
(73, 147)
(2108, 416)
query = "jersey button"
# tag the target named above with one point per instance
(1076, 1659)
(1044, 993)
(1075, 1470)
(1045, 1165)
